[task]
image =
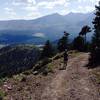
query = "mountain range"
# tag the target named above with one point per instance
(50, 27)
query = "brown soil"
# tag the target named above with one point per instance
(74, 83)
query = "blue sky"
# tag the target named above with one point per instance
(31, 9)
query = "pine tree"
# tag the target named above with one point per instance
(95, 50)
(47, 50)
(63, 42)
(86, 29)
(78, 43)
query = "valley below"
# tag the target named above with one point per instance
(50, 27)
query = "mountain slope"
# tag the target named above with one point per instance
(15, 59)
(51, 26)
(32, 24)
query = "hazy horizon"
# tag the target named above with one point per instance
(33, 9)
(45, 16)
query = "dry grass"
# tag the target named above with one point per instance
(96, 73)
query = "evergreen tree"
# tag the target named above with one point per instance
(86, 29)
(95, 50)
(63, 42)
(78, 43)
(47, 50)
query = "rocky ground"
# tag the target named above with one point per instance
(77, 82)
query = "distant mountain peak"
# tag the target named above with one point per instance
(51, 26)
(73, 13)
(55, 14)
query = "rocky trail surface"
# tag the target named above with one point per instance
(72, 84)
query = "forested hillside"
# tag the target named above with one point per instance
(15, 59)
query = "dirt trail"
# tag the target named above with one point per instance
(73, 83)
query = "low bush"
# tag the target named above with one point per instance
(41, 64)
(27, 72)
(59, 55)
(2, 95)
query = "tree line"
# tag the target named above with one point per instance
(80, 42)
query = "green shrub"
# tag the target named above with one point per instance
(97, 76)
(45, 72)
(23, 79)
(58, 56)
(27, 73)
(50, 67)
(46, 61)
(18, 77)
(2, 95)
(40, 65)
(3, 80)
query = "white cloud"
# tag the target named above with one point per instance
(33, 5)
(39, 35)
(94, 1)
(9, 11)
(63, 12)
(31, 1)
(27, 6)
(30, 9)
(23, 2)
(86, 9)
(52, 4)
